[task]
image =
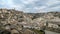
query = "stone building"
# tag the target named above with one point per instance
(52, 24)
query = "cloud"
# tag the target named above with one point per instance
(28, 1)
(56, 8)
(31, 5)
(52, 2)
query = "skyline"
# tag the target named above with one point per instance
(31, 6)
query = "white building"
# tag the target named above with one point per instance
(52, 24)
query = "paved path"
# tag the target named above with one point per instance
(49, 32)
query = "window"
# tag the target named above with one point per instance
(21, 16)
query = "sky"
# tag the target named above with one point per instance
(31, 6)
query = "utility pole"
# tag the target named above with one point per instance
(10, 15)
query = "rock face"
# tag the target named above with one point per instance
(14, 20)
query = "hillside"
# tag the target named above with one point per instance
(14, 20)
